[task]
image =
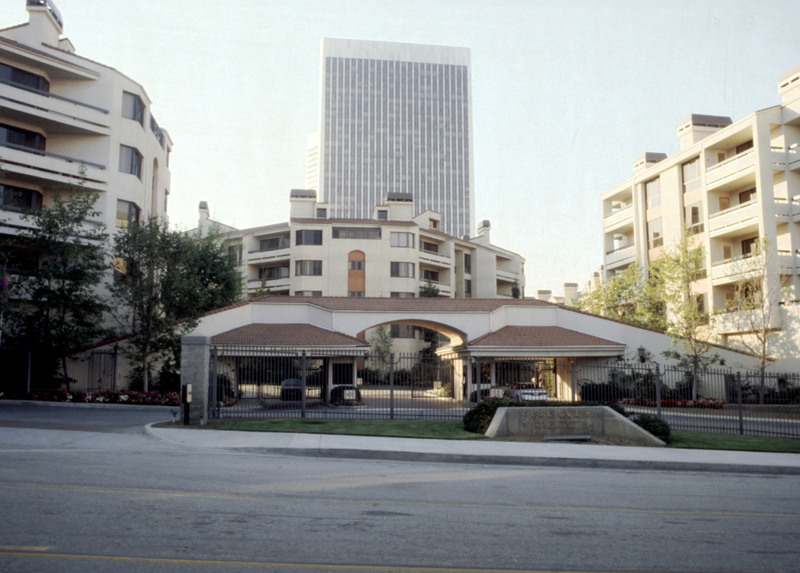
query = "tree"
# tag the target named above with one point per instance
(56, 266)
(754, 306)
(632, 296)
(515, 292)
(688, 321)
(429, 290)
(164, 282)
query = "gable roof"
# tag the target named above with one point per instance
(540, 336)
(299, 335)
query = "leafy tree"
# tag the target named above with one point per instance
(56, 265)
(430, 290)
(164, 282)
(688, 321)
(754, 306)
(515, 292)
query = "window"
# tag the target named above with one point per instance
(749, 247)
(402, 240)
(23, 78)
(15, 136)
(273, 243)
(19, 199)
(402, 295)
(235, 253)
(402, 331)
(652, 193)
(724, 203)
(654, 236)
(130, 161)
(404, 270)
(308, 268)
(726, 252)
(427, 275)
(428, 247)
(322, 213)
(468, 288)
(468, 263)
(127, 214)
(433, 223)
(356, 233)
(308, 238)
(744, 147)
(383, 215)
(355, 265)
(691, 175)
(273, 273)
(19, 260)
(355, 293)
(132, 107)
(693, 217)
(308, 293)
(746, 196)
(159, 135)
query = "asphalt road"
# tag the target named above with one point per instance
(101, 500)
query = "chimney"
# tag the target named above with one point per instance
(695, 127)
(570, 293)
(646, 160)
(544, 295)
(45, 21)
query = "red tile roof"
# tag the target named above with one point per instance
(286, 335)
(539, 336)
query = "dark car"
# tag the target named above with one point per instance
(291, 390)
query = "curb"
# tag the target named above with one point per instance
(518, 461)
(95, 405)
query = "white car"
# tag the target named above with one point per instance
(526, 392)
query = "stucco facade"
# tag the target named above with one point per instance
(730, 185)
(61, 113)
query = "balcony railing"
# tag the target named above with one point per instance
(617, 249)
(52, 95)
(48, 154)
(752, 201)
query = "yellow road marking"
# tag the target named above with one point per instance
(22, 548)
(324, 566)
(244, 497)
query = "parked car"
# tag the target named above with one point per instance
(291, 390)
(529, 392)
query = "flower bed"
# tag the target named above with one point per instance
(106, 397)
(681, 403)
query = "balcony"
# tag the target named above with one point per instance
(737, 321)
(254, 257)
(506, 276)
(617, 219)
(51, 112)
(735, 269)
(731, 170)
(734, 220)
(620, 256)
(45, 169)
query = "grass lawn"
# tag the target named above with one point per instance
(708, 441)
(434, 429)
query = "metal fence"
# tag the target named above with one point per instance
(24, 371)
(714, 400)
(262, 382)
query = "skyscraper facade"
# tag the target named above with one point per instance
(394, 118)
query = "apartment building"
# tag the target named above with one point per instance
(394, 118)
(65, 118)
(730, 184)
(391, 254)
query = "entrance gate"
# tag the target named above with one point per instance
(247, 381)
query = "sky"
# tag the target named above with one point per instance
(565, 96)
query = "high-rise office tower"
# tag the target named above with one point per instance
(394, 118)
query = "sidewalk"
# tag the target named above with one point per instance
(482, 452)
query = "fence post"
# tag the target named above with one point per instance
(739, 401)
(114, 370)
(573, 373)
(195, 370)
(658, 391)
(391, 386)
(29, 370)
(214, 410)
(303, 386)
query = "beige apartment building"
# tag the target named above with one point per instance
(730, 184)
(61, 113)
(392, 254)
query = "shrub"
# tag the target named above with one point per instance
(653, 424)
